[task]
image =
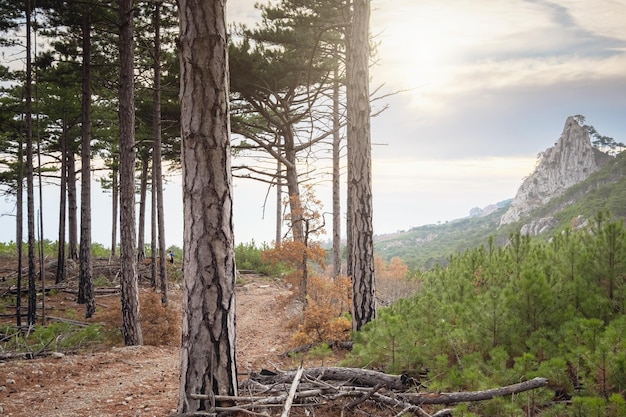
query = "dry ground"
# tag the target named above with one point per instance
(141, 381)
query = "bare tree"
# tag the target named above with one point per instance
(360, 230)
(131, 326)
(207, 354)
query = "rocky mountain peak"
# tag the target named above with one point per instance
(571, 160)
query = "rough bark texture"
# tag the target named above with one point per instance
(131, 327)
(208, 335)
(85, 289)
(293, 186)
(19, 229)
(336, 179)
(361, 250)
(60, 272)
(30, 193)
(143, 195)
(72, 206)
(115, 197)
(157, 175)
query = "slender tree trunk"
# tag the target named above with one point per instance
(30, 193)
(85, 292)
(208, 341)
(131, 326)
(361, 254)
(153, 234)
(72, 203)
(279, 203)
(293, 187)
(60, 273)
(115, 197)
(19, 229)
(143, 195)
(336, 179)
(157, 174)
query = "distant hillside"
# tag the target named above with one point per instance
(425, 246)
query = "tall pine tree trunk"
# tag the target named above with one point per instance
(60, 273)
(85, 290)
(293, 186)
(208, 341)
(19, 228)
(336, 179)
(115, 199)
(30, 184)
(157, 174)
(143, 195)
(361, 251)
(279, 203)
(131, 326)
(72, 206)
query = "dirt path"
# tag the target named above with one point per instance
(139, 381)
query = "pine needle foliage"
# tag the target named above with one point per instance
(498, 315)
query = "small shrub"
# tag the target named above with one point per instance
(325, 316)
(101, 281)
(160, 325)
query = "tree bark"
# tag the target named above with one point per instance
(30, 193)
(356, 376)
(471, 396)
(131, 326)
(208, 338)
(60, 272)
(361, 250)
(72, 206)
(157, 174)
(143, 195)
(115, 198)
(336, 178)
(85, 288)
(19, 229)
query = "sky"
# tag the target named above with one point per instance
(483, 88)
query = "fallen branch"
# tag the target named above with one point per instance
(360, 377)
(317, 386)
(472, 396)
(292, 392)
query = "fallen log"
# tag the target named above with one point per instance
(356, 376)
(472, 396)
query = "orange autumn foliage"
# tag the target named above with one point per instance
(325, 318)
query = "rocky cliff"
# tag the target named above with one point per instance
(571, 160)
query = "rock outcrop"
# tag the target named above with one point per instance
(571, 160)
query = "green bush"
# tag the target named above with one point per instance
(249, 257)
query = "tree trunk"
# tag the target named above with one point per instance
(30, 193)
(279, 203)
(131, 326)
(361, 251)
(153, 235)
(72, 206)
(115, 199)
(143, 194)
(19, 229)
(293, 188)
(85, 288)
(336, 179)
(60, 273)
(157, 175)
(208, 339)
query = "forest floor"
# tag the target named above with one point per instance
(143, 380)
